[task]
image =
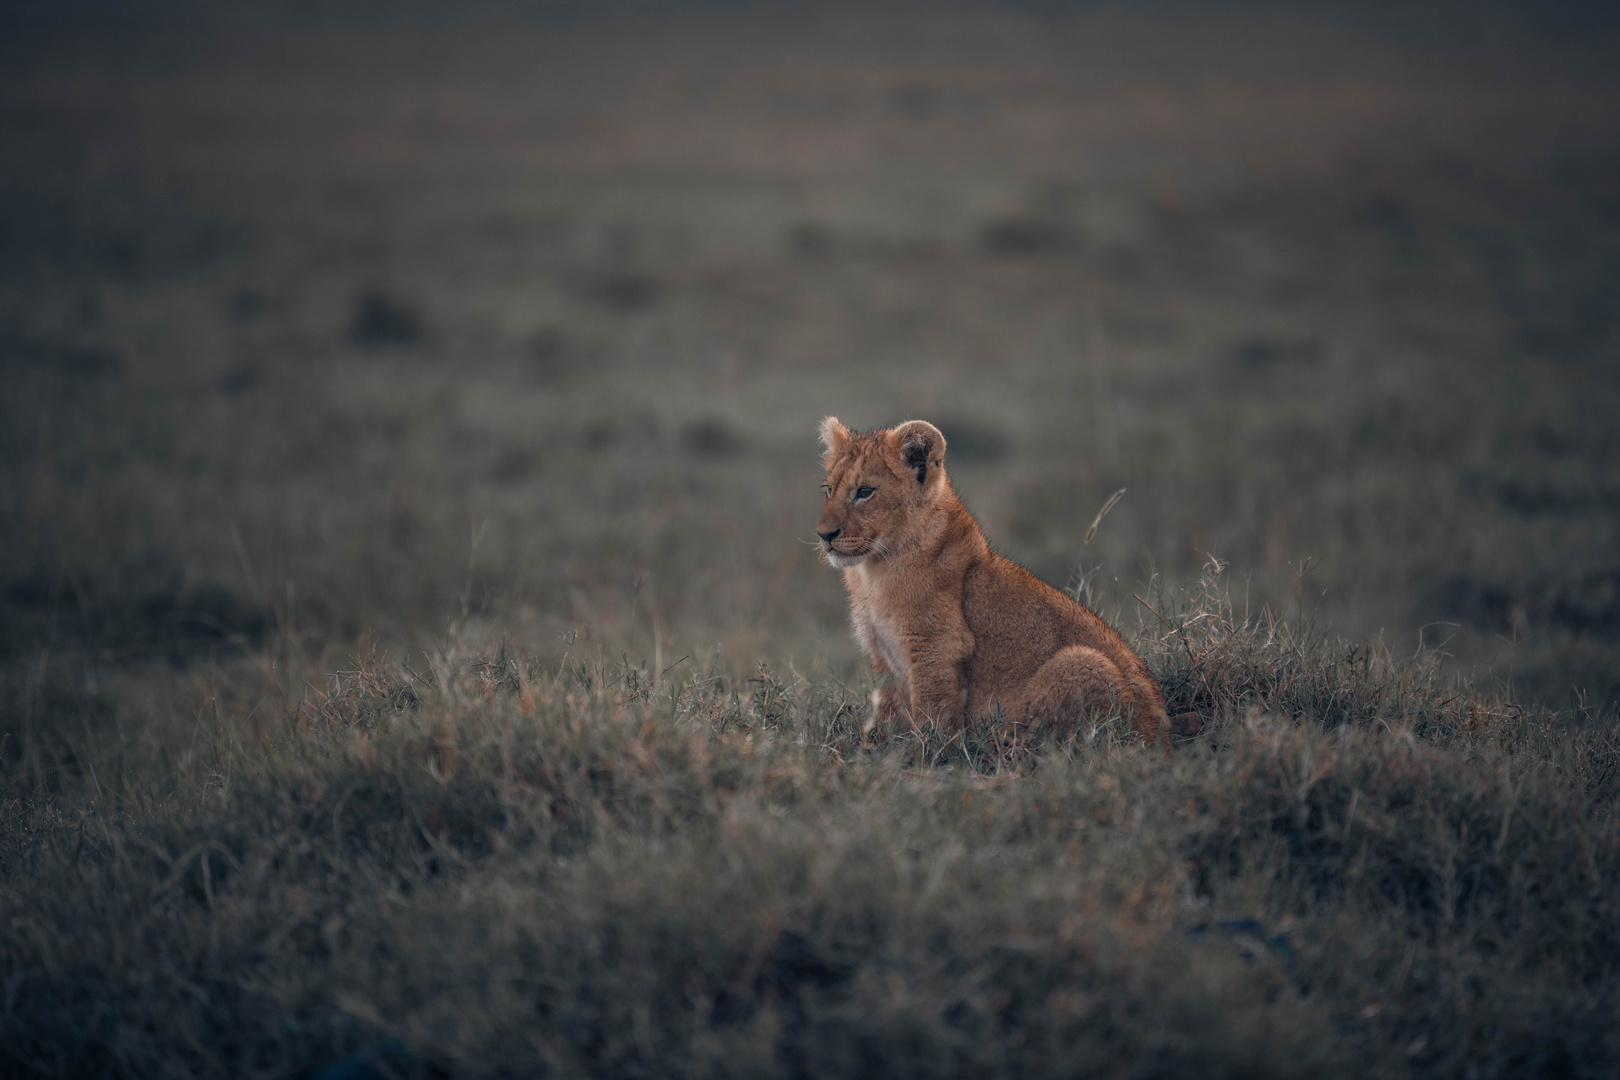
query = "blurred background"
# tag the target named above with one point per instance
(333, 327)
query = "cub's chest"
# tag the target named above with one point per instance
(880, 638)
(878, 634)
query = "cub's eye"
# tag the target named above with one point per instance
(863, 493)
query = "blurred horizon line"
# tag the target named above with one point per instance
(1593, 22)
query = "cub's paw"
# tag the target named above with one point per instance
(889, 708)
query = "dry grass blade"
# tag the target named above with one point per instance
(1107, 506)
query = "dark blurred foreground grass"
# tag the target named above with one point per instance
(482, 862)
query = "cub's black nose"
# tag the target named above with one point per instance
(828, 536)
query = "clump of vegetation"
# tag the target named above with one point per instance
(499, 864)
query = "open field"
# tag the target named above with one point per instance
(408, 625)
(490, 866)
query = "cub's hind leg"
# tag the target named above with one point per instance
(1079, 677)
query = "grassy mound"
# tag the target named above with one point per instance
(500, 865)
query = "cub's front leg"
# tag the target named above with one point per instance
(939, 690)
(889, 703)
(939, 695)
(888, 707)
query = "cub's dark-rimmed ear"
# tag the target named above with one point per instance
(833, 437)
(922, 447)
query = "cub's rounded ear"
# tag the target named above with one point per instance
(921, 445)
(833, 437)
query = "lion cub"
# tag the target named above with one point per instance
(961, 629)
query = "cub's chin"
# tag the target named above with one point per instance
(839, 561)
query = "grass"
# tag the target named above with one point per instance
(484, 863)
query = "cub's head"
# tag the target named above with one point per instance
(878, 484)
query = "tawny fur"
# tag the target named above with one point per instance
(961, 630)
